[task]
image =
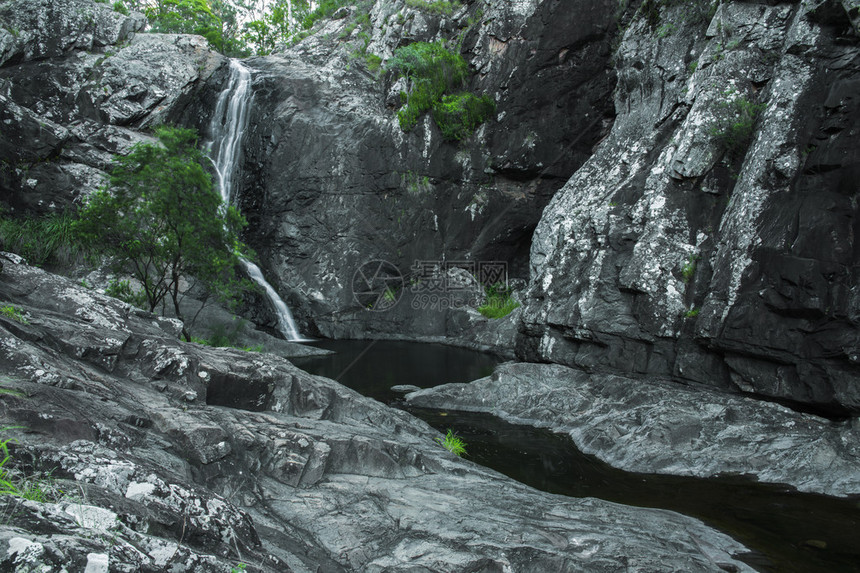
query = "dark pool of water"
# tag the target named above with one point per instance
(792, 532)
(789, 531)
(372, 367)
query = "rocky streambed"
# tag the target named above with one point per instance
(171, 456)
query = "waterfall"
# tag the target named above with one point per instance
(227, 129)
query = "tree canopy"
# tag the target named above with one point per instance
(162, 220)
(235, 27)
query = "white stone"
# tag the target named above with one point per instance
(97, 563)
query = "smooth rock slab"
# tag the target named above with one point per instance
(665, 427)
(318, 478)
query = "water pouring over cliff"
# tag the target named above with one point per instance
(227, 129)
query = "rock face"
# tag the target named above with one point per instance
(662, 427)
(332, 182)
(681, 249)
(76, 85)
(174, 455)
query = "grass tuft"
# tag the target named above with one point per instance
(46, 240)
(500, 302)
(36, 488)
(453, 443)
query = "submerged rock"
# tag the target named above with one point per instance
(655, 426)
(183, 456)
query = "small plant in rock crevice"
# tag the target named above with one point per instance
(688, 271)
(453, 443)
(14, 313)
(733, 134)
(499, 302)
(14, 483)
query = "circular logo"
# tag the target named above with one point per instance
(377, 285)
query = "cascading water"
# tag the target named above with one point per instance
(227, 129)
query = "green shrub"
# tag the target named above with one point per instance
(121, 8)
(7, 485)
(692, 313)
(324, 9)
(453, 443)
(734, 133)
(14, 313)
(441, 7)
(44, 241)
(499, 302)
(688, 271)
(458, 116)
(162, 219)
(431, 70)
(122, 290)
(373, 62)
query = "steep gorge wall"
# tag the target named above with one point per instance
(664, 255)
(331, 181)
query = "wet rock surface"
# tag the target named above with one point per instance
(659, 426)
(160, 469)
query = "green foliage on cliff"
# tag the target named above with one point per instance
(688, 271)
(161, 220)
(431, 70)
(734, 132)
(432, 74)
(14, 313)
(323, 9)
(39, 487)
(123, 290)
(44, 241)
(443, 7)
(458, 116)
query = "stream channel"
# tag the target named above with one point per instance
(787, 531)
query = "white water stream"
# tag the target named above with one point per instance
(227, 129)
